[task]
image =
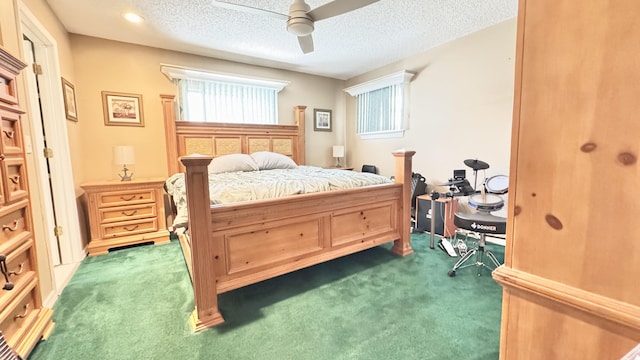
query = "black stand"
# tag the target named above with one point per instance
(433, 220)
(434, 196)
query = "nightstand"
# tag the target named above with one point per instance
(124, 213)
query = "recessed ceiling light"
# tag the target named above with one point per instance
(132, 17)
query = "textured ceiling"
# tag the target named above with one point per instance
(345, 46)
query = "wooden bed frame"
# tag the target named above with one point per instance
(234, 245)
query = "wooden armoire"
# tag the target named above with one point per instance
(571, 278)
(23, 319)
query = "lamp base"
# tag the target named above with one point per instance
(125, 176)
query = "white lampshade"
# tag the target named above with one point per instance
(124, 155)
(338, 151)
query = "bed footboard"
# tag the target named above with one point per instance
(234, 245)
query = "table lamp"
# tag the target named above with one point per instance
(124, 155)
(338, 152)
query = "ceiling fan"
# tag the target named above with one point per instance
(301, 18)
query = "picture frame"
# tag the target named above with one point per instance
(321, 120)
(69, 95)
(122, 109)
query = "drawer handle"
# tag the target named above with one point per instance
(8, 285)
(129, 214)
(9, 133)
(15, 179)
(19, 271)
(132, 228)
(1, 156)
(13, 227)
(128, 199)
(21, 316)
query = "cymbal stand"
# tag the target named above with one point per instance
(475, 179)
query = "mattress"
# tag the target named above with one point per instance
(231, 187)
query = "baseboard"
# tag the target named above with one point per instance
(51, 299)
(62, 275)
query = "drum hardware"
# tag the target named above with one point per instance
(483, 223)
(476, 165)
(458, 185)
(452, 182)
(434, 196)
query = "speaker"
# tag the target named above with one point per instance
(444, 211)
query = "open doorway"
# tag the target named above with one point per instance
(48, 141)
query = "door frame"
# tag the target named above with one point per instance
(62, 182)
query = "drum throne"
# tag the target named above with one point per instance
(482, 222)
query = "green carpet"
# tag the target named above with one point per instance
(134, 304)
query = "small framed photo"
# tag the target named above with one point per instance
(122, 109)
(69, 94)
(321, 120)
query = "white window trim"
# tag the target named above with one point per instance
(174, 72)
(397, 134)
(381, 82)
(401, 77)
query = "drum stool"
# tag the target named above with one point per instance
(482, 223)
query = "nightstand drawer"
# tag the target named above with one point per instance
(20, 315)
(127, 197)
(124, 213)
(129, 228)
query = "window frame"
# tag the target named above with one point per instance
(402, 78)
(176, 73)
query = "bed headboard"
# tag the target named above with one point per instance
(215, 139)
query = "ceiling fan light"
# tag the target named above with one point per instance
(300, 26)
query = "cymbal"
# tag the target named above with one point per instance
(476, 164)
(452, 182)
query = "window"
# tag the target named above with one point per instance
(382, 105)
(214, 97)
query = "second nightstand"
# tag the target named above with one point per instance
(124, 213)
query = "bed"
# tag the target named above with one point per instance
(231, 245)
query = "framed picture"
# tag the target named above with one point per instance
(69, 94)
(122, 109)
(321, 120)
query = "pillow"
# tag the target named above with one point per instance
(269, 160)
(231, 163)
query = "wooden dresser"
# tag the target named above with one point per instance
(572, 256)
(124, 213)
(23, 319)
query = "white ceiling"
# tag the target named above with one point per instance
(345, 46)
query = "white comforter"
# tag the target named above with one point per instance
(267, 184)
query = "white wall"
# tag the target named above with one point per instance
(461, 108)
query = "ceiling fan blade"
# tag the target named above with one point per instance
(337, 7)
(249, 9)
(306, 43)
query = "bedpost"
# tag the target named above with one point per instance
(301, 122)
(403, 176)
(205, 294)
(168, 111)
